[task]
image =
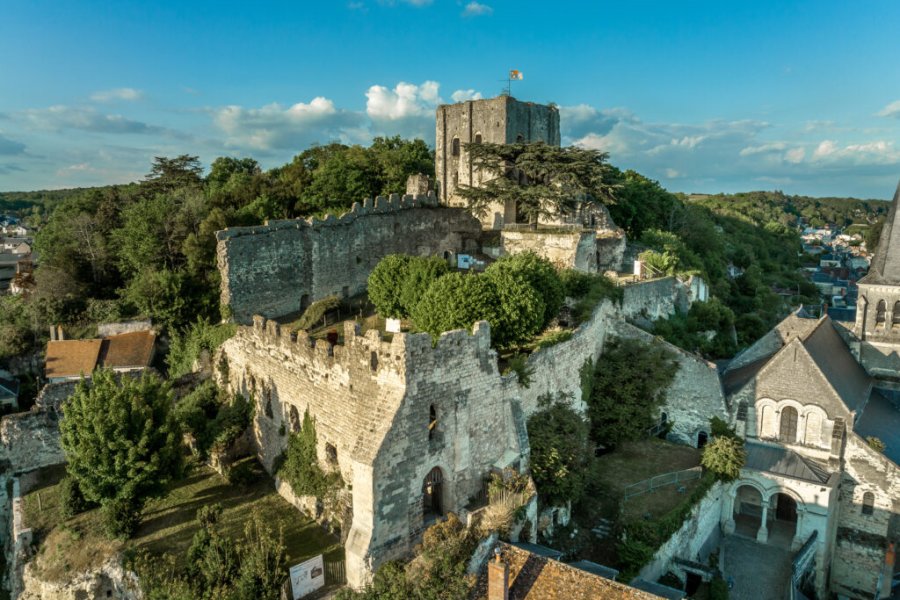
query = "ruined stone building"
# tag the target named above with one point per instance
(806, 397)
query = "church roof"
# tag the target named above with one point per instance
(885, 267)
(781, 461)
(838, 365)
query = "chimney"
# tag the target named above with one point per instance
(53, 333)
(59, 333)
(498, 578)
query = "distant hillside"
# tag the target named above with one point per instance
(22, 203)
(767, 207)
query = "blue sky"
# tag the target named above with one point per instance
(703, 96)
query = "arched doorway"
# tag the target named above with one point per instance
(433, 495)
(784, 525)
(748, 510)
(702, 438)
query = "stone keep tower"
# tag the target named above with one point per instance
(500, 120)
(878, 309)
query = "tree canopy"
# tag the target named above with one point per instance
(543, 180)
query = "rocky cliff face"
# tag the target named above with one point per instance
(110, 580)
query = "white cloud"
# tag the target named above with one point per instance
(463, 95)
(59, 117)
(763, 149)
(891, 110)
(824, 149)
(404, 101)
(476, 9)
(672, 173)
(795, 155)
(128, 94)
(277, 127)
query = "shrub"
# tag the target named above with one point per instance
(875, 443)
(385, 285)
(420, 273)
(186, 346)
(120, 517)
(301, 465)
(589, 291)
(718, 589)
(554, 337)
(558, 436)
(315, 312)
(71, 500)
(518, 364)
(719, 428)
(725, 457)
(629, 385)
(456, 301)
(212, 417)
(539, 273)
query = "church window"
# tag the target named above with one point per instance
(868, 506)
(895, 316)
(454, 147)
(788, 432)
(477, 138)
(879, 312)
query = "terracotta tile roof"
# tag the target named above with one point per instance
(128, 350)
(533, 577)
(71, 358)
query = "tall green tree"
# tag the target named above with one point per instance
(122, 443)
(543, 180)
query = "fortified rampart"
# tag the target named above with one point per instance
(280, 268)
(414, 427)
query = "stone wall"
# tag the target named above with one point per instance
(30, 440)
(862, 540)
(694, 396)
(653, 299)
(282, 267)
(698, 536)
(585, 250)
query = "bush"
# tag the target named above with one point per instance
(186, 346)
(315, 312)
(628, 387)
(725, 457)
(518, 364)
(71, 500)
(875, 443)
(420, 274)
(589, 291)
(385, 285)
(537, 272)
(718, 589)
(121, 517)
(213, 418)
(558, 436)
(554, 337)
(301, 464)
(456, 301)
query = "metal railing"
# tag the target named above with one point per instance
(658, 481)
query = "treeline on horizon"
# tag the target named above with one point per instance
(148, 249)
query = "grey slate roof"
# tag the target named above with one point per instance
(885, 267)
(834, 359)
(881, 419)
(781, 461)
(595, 569)
(539, 550)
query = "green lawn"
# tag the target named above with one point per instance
(168, 524)
(636, 461)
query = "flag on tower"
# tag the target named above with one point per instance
(515, 74)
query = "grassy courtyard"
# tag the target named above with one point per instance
(168, 523)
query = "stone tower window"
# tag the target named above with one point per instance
(294, 417)
(868, 506)
(432, 421)
(788, 430)
(477, 138)
(879, 312)
(331, 454)
(454, 147)
(837, 435)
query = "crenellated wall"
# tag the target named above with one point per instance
(279, 268)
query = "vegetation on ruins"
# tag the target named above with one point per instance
(438, 572)
(558, 436)
(214, 418)
(399, 281)
(724, 456)
(625, 393)
(315, 312)
(217, 565)
(875, 443)
(543, 180)
(707, 328)
(122, 444)
(536, 271)
(588, 290)
(300, 465)
(186, 345)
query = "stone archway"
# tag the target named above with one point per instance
(748, 511)
(433, 495)
(783, 525)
